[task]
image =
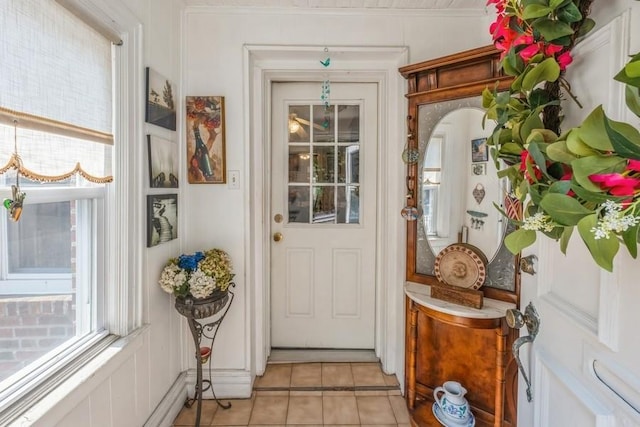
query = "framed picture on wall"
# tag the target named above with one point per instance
(206, 162)
(163, 162)
(479, 150)
(161, 109)
(162, 218)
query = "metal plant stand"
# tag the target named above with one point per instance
(213, 308)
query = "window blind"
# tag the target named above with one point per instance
(56, 81)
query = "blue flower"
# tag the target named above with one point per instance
(189, 262)
(199, 256)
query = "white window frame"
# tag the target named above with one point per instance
(122, 235)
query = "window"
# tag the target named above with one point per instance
(52, 292)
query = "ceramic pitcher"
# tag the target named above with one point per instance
(450, 398)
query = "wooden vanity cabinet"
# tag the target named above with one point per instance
(445, 341)
(473, 351)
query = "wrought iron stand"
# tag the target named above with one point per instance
(215, 307)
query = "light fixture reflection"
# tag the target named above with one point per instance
(294, 126)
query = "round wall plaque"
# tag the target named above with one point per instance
(462, 265)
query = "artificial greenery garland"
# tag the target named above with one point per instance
(587, 177)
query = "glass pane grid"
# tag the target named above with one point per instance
(323, 174)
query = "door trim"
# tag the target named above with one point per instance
(264, 65)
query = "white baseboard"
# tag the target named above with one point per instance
(170, 405)
(227, 384)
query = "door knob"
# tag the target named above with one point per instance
(277, 237)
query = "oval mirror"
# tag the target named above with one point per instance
(455, 172)
(458, 185)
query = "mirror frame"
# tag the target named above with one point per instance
(461, 75)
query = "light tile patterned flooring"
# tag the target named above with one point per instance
(311, 394)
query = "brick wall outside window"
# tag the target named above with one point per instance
(31, 326)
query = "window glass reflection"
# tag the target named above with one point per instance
(323, 123)
(348, 123)
(299, 122)
(324, 208)
(323, 164)
(299, 204)
(299, 164)
(348, 205)
(349, 164)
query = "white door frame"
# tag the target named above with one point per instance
(266, 64)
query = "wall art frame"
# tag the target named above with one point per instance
(163, 162)
(479, 150)
(206, 146)
(162, 218)
(160, 104)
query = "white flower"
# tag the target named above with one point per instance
(614, 220)
(201, 285)
(538, 222)
(168, 278)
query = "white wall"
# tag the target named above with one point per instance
(213, 46)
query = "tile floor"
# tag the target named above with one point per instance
(311, 394)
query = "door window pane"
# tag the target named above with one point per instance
(324, 208)
(299, 204)
(349, 123)
(299, 164)
(348, 205)
(323, 164)
(349, 164)
(323, 123)
(299, 121)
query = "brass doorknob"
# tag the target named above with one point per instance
(277, 237)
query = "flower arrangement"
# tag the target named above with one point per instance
(197, 275)
(587, 177)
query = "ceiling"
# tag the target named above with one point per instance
(479, 5)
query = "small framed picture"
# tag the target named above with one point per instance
(206, 162)
(479, 168)
(163, 162)
(479, 150)
(162, 218)
(161, 108)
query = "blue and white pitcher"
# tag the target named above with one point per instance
(452, 401)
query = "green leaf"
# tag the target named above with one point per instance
(559, 152)
(538, 158)
(632, 98)
(624, 77)
(547, 70)
(602, 250)
(632, 69)
(564, 239)
(593, 133)
(554, 4)
(519, 239)
(538, 97)
(577, 146)
(586, 166)
(487, 98)
(560, 187)
(570, 13)
(532, 122)
(511, 148)
(630, 238)
(536, 11)
(625, 139)
(551, 29)
(587, 25)
(563, 209)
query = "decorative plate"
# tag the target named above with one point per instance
(462, 265)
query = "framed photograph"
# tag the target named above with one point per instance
(479, 169)
(206, 162)
(161, 109)
(479, 150)
(163, 162)
(162, 218)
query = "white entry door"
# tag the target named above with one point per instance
(584, 364)
(323, 215)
